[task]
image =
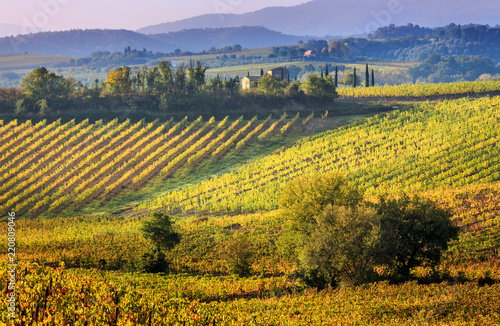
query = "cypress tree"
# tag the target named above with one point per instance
(336, 77)
(322, 74)
(355, 78)
(367, 77)
(326, 70)
(373, 79)
(261, 72)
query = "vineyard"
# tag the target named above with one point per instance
(52, 167)
(81, 269)
(206, 295)
(430, 146)
(88, 241)
(421, 91)
(97, 298)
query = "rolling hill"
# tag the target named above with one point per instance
(12, 30)
(327, 17)
(449, 144)
(87, 269)
(81, 43)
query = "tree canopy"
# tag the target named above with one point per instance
(40, 85)
(414, 232)
(317, 86)
(336, 238)
(160, 231)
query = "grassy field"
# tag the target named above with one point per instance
(16, 61)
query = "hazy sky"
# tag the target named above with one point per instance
(129, 14)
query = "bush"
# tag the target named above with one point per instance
(414, 232)
(153, 262)
(160, 231)
(336, 240)
(343, 246)
(239, 256)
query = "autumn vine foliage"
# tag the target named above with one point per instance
(427, 146)
(50, 167)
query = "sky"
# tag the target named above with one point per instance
(56, 15)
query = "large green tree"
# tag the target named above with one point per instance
(271, 85)
(307, 204)
(318, 86)
(336, 238)
(47, 89)
(415, 232)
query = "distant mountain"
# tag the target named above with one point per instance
(339, 17)
(81, 43)
(12, 30)
(203, 39)
(75, 43)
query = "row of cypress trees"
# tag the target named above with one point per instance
(368, 82)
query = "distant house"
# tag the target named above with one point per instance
(280, 72)
(247, 81)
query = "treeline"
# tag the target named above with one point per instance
(131, 56)
(415, 43)
(436, 69)
(393, 31)
(469, 33)
(160, 89)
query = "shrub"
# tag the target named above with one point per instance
(160, 231)
(342, 248)
(239, 256)
(414, 232)
(153, 262)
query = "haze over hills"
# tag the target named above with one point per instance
(337, 17)
(80, 43)
(13, 30)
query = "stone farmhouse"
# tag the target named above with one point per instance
(280, 72)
